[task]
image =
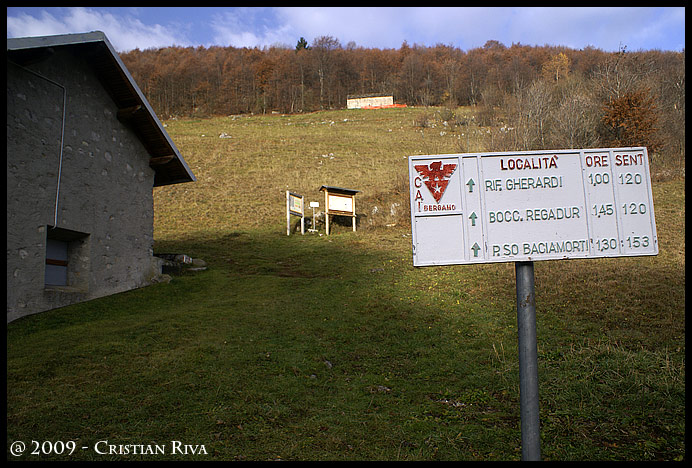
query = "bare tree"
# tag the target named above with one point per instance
(575, 115)
(529, 111)
(323, 47)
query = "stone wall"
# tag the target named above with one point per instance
(104, 196)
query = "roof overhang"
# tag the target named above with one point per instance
(340, 190)
(133, 108)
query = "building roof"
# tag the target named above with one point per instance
(344, 191)
(368, 95)
(133, 108)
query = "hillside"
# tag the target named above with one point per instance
(335, 347)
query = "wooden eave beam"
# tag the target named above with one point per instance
(127, 113)
(160, 160)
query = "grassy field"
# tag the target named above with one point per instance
(334, 347)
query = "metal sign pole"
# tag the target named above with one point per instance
(288, 213)
(490, 203)
(528, 362)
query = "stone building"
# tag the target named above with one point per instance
(84, 151)
(365, 101)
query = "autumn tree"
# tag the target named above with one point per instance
(376, 71)
(263, 74)
(472, 71)
(631, 120)
(622, 72)
(544, 96)
(528, 111)
(410, 75)
(302, 64)
(556, 68)
(671, 92)
(323, 49)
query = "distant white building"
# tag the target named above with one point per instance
(364, 101)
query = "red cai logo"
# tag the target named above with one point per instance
(436, 177)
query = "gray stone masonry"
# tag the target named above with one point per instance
(104, 202)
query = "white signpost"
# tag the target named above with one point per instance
(294, 206)
(339, 201)
(526, 206)
(313, 205)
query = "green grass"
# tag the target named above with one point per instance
(336, 348)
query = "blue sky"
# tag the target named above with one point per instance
(606, 28)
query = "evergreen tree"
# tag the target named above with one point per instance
(302, 44)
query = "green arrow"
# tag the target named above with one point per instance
(470, 183)
(475, 249)
(473, 218)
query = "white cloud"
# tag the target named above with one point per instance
(607, 28)
(661, 30)
(26, 25)
(368, 27)
(250, 27)
(373, 27)
(469, 27)
(125, 33)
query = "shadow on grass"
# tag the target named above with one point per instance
(317, 348)
(636, 302)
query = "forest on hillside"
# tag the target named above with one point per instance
(548, 96)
